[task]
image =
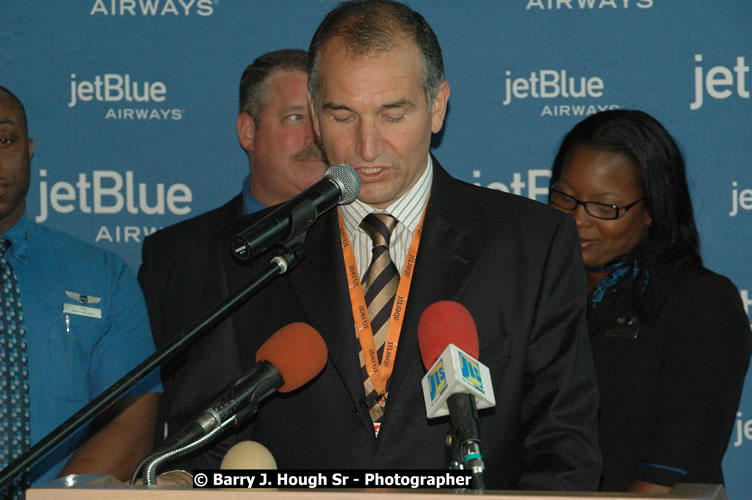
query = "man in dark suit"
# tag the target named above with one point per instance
(378, 93)
(274, 127)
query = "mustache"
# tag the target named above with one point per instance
(312, 152)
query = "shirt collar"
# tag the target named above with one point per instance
(407, 209)
(19, 237)
(250, 203)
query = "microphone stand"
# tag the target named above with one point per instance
(290, 254)
(156, 458)
(464, 429)
(452, 452)
(212, 423)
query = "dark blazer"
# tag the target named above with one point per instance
(514, 263)
(172, 276)
(671, 352)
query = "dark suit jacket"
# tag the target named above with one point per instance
(172, 277)
(514, 263)
(663, 419)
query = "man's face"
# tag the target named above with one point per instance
(374, 116)
(285, 158)
(15, 158)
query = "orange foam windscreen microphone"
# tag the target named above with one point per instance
(297, 351)
(288, 359)
(442, 323)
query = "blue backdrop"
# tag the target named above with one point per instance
(132, 104)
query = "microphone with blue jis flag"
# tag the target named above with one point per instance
(456, 372)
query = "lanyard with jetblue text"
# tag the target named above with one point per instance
(379, 373)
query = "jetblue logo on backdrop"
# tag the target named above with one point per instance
(549, 84)
(535, 187)
(587, 4)
(742, 431)
(152, 8)
(741, 199)
(108, 192)
(113, 87)
(134, 94)
(720, 82)
(746, 301)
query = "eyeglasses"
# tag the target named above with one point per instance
(593, 208)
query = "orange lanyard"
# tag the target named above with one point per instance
(379, 372)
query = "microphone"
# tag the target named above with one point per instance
(340, 185)
(248, 455)
(456, 384)
(290, 358)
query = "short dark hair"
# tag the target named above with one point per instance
(372, 26)
(4, 90)
(672, 233)
(255, 79)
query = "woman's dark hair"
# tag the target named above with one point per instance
(672, 233)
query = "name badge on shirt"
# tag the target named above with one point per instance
(81, 310)
(624, 329)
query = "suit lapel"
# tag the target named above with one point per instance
(320, 285)
(450, 249)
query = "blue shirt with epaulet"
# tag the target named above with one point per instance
(86, 325)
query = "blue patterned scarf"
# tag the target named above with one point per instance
(616, 272)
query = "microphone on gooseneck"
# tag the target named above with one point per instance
(456, 384)
(288, 359)
(340, 186)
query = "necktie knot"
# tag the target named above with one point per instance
(4, 245)
(379, 227)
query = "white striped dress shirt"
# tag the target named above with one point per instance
(407, 209)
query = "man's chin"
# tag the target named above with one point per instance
(376, 200)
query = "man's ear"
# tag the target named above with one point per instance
(246, 130)
(438, 111)
(314, 118)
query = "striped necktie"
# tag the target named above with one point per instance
(379, 287)
(14, 375)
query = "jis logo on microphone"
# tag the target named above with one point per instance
(471, 371)
(437, 379)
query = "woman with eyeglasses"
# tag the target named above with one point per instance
(671, 340)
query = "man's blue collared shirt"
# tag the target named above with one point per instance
(86, 327)
(250, 204)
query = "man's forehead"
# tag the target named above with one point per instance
(402, 60)
(346, 75)
(10, 110)
(282, 72)
(342, 48)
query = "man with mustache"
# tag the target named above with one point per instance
(274, 127)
